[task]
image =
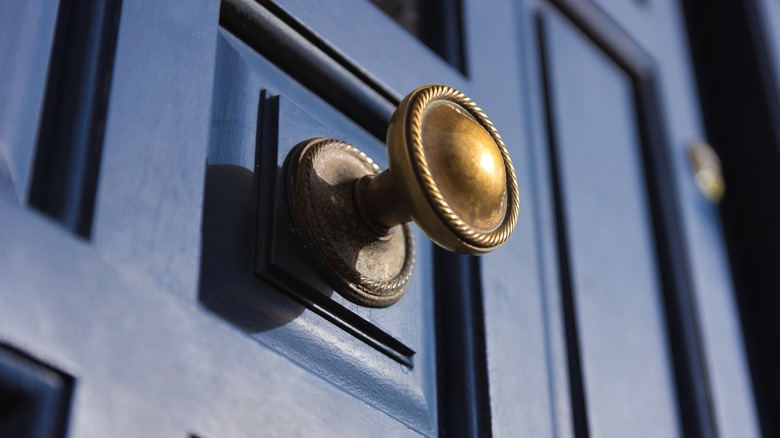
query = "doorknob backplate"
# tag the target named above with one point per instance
(321, 176)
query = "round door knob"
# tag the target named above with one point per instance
(449, 171)
(706, 170)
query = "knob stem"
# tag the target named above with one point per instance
(378, 203)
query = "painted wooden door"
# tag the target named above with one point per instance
(152, 284)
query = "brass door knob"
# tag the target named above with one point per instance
(449, 171)
(705, 165)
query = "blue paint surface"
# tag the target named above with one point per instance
(169, 328)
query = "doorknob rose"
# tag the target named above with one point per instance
(449, 171)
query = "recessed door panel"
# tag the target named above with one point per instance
(627, 377)
(256, 274)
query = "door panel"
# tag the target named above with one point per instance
(658, 27)
(614, 277)
(155, 143)
(511, 289)
(259, 115)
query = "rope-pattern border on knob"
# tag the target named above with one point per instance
(464, 231)
(364, 290)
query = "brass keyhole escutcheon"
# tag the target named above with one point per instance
(449, 172)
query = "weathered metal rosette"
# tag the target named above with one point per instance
(321, 178)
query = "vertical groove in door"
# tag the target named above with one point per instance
(70, 137)
(462, 381)
(574, 359)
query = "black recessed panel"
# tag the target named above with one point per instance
(70, 140)
(34, 398)
(436, 23)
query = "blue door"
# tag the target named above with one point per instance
(152, 282)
